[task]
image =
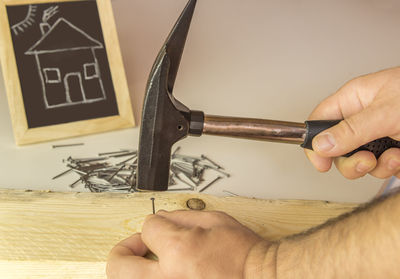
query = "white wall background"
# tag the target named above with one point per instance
(256, 58)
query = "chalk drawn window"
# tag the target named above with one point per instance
(52, 75)
(90, 71)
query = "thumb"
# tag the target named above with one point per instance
(365, 126)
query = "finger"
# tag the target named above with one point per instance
(322, 164)
(127, 267)
(344, 102)
(355, 131)
(328, 109)
(133, 246)
(388, 164)
(396, 137)
(363, 119)
(159, 233)
(203, 219)
(125, 260)
(357, 165)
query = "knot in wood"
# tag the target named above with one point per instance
(196, 204)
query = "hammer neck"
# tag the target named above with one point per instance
(196, 123)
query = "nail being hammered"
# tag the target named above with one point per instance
(154, 207)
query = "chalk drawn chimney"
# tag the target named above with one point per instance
(47, 14)
(44, 27)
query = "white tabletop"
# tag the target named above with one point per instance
(263, 59)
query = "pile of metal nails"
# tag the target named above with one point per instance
(116, 172)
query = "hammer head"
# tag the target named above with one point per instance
(165, 120)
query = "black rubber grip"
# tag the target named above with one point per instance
(377, 146)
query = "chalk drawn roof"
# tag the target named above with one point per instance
(63, 36)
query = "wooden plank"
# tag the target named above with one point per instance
(68, 235)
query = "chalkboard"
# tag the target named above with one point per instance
(62, 62)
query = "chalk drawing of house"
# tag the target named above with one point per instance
(67, 64)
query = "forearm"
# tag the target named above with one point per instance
(363, 244)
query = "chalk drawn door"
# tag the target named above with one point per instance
(74, 88)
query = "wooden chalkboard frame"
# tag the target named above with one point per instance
(25, 135)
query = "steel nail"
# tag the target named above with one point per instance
(176, 151)
(115, 173)
(209, 184)
(87, 160)
(154, 208)
(73, 185)
(230, 193)
(183, 181)
(127, 160)
(211, 161)
(61, 174)
(114, 152)
(124, 155)
(67, 145)
(218, 170)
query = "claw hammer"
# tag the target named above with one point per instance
(165, 120)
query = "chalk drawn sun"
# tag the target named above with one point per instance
(27, 19)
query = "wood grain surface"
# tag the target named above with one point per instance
(69, 235)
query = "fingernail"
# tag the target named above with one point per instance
(393, 164)
(324, 142)
(362, 168)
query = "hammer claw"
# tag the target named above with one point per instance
(176, 40)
